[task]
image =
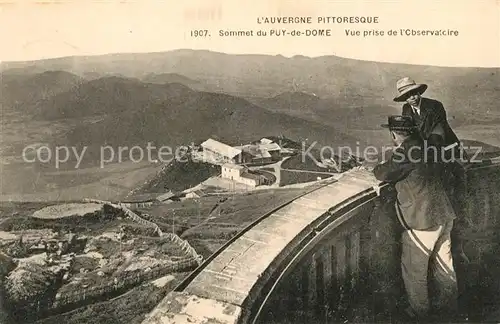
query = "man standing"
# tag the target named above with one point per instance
(430, 117)
(428, 114)
(426, 214)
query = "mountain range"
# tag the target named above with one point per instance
(350, 82)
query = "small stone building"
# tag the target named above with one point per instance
(241, 174)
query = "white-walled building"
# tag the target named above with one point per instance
(252, 179)
(242, 175)
(217, 152)
(232, 171)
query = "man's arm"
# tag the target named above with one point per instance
(436, 124)
(395, 169)
(434, 131)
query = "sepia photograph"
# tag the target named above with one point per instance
(249, 162)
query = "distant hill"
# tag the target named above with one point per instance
(21, 70)
(294, 101)
(108, 95)
(92, 75)
(163, 78)
(25, 90)
(328, 111)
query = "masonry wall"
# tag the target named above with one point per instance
(230, 173)
(355, 274)
(247, 181)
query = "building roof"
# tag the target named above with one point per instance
(251, 149)
(193, 194)
(266, 141)
(221, 148)
(256, 151)
(266, 154)
(165, 196)
(270, 147)
(233, 166)
(148, 197)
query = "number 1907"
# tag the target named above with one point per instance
(199, 33)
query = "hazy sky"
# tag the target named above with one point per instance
(30, 30)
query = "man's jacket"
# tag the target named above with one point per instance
(433, 114)
(422, 202)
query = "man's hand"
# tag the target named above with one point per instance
(380, 157)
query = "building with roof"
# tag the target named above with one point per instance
(260, 153)
(166, 196)
(219, 153)
(252, 179)
(266, 140)
(241, 174)
(195, 194)
(232, 171)
(272, 149)
(253, 155)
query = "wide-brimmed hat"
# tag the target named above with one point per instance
(397, 122)
(406, 85)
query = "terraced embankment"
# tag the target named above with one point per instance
(69, 297)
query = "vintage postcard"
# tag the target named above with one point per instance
(236, 161)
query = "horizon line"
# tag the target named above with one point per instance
(237, 54)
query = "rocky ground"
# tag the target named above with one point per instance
(94, 265)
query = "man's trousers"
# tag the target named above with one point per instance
(427, 269)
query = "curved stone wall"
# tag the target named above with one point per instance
(339, 238)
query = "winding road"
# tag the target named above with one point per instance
(278, 168)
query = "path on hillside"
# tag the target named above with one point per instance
(307, 171)
(277, 167)
(277, 170)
